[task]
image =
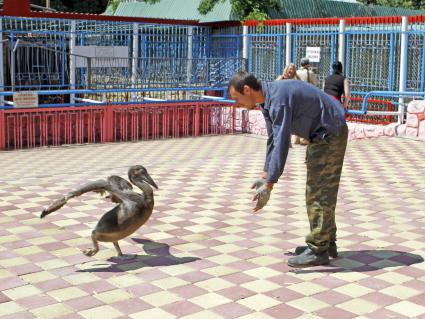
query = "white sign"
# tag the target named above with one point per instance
(107, 52)
(313, 54)
(101, 56)
(25, 99)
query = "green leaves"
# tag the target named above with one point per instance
(408, 4)
(206, 6)
(114, 5)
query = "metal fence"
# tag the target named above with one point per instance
(52, 54)
(371, 57)
(371, 50)
(43, 54)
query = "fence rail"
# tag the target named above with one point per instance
(118, 96)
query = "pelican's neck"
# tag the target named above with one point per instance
(145, 188)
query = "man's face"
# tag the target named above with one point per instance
(245, 100)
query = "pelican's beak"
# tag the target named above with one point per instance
(148, 179)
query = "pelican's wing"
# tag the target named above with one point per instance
(99, 186)
(119, 182)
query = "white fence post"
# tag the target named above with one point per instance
(403, 67)
(189, 64)
(288, 45)
(135, 60)
(341, 42)
(189, 54)
(245, 44)
(72, 59)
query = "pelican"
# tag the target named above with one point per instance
(133, 209)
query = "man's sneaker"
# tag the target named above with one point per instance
(308, 259)
(332, 250)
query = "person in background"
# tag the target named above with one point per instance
(289, 73)
(295, 107)
(337, 85)
(306, 74)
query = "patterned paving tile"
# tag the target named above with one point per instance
(203, 253)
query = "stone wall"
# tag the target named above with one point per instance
(413, 128)
(415, 121)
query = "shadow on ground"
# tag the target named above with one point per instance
(157, 254)
(365, 260)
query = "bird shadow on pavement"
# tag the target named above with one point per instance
(157, 254)
(364, 261)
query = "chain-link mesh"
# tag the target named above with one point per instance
(416, 57)
(265, 56)
(415, 60)
(370, 60)
(324, 38)
(225, 46)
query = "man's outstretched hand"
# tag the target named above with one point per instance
(258, 183)
(262, 193)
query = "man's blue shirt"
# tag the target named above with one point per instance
(296, 107)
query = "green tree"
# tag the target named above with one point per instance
(408, 4)
(243, 9)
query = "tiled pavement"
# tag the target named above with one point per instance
(204, 254)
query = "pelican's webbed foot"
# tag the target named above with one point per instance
(90, 251)
(120, 255)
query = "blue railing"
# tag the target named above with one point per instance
(90, 101)
(391, 94)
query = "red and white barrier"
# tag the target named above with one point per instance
(28, 128)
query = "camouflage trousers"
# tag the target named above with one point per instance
(324, 165)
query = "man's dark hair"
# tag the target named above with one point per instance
(244, 78)
(337, 67)
(305, 62)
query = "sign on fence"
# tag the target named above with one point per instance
(25, 99)
(102, 56)
(313, 54)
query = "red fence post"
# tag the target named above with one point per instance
(2, 131)
(197, 120)
(233, 112)
(108, 124)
